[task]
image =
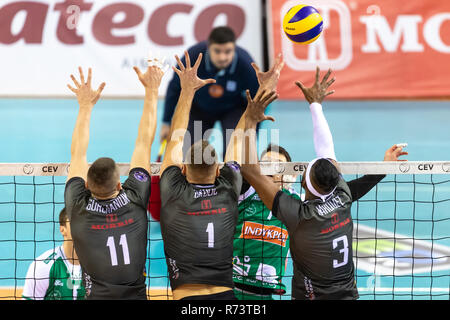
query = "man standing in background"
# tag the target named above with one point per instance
(225, 100)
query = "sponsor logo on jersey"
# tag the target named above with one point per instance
(107, 226)
(336, 225)
(233, 165)
(216, 91)
(207, 212)
(231, 85)
(258, 231)
(141, 176)
(58, 283)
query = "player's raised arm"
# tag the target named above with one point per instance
(190, 83)
(267, 81)
(151, 80)
(87, 98)
(250, 169)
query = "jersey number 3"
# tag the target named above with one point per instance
(344, 251)
(112, 249)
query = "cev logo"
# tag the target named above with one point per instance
(317, 51)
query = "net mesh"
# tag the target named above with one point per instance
(401, 242)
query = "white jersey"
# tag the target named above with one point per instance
(52, 277)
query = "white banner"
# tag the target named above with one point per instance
(43, 42)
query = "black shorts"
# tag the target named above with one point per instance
(226, 295)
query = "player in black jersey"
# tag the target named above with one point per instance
(321, 227)
(109, 220)
(199, 205)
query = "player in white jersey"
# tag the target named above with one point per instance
(56, 274)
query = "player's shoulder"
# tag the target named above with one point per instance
(48, 258)
(342, 186)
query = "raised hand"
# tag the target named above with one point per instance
(188, 75)
(257, 106)
(151, 79)
(394, 152)
(269, 80)
(318, 91)
(85, 95)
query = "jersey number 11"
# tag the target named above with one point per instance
(112, 249)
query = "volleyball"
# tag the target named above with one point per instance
(303, 24)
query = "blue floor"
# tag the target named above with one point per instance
(40, 131)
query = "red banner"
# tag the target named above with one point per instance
(377, 48)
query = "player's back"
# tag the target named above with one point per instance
(110, 237)
(321, 240)
(197, 225)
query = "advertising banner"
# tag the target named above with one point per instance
(377, 48)
(42, 42)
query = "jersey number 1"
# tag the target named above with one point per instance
(112, 249)
(210, 231)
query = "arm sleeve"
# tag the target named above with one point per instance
(74, 191)
(231, 171)
(361, 186)
(287, 209)
(323, 140)
(171, 184)
(137, 186)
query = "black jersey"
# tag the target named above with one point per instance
(110, 237)
(198, 224)
(321, 244)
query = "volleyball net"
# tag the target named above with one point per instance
(401, 243)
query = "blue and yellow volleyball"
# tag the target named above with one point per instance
(303, 24)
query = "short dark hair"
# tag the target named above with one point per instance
(326, 175)
(201, 156)
(221, 35)
(102, 176)
(276, 148)
(63, 217)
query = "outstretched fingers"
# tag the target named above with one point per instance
(317, 75)
(188, 59)
(269, 98)
(100, 88)
(325, 77)
(81, 75)
(329, 93)
(209, 81)
(180, 64)
(77, 84)
(72, 88)
(89, 79)
(255, 67)
(138, 72)
(199, 60)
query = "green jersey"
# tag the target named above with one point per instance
(261, 245)
(52, 277)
